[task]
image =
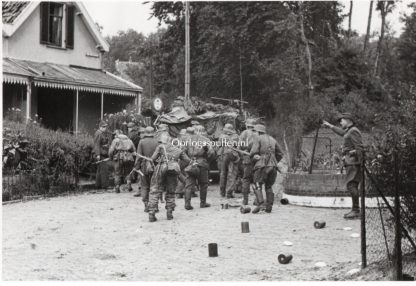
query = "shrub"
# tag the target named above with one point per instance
(54, 158)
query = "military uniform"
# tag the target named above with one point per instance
(226, 158)
(247, 137)
(352, 150)
(146, 147)
(165, 177)
(101, 145)
(122, 153)
(267, 154)
(197, 171)
(180, 189)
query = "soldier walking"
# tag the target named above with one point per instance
(139, 178)
(266, 153)
(352, 151)
(102, 140)
(227, 156)
(146, 148)
(200, 151)
(122, 153)
(246, 139)
(165, 177)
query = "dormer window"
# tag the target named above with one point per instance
(57, 24)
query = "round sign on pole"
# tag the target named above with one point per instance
(157, 104)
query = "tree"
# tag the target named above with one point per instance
(385, 7)
(367, 34)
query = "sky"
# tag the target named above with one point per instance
(123, 15)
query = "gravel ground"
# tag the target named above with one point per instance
(107, 236)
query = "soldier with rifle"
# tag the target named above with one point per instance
(247, 138)
(122, 152)
(102, 140)
(200, 151)
(145, 149)
(266, 154)
(165, 177)
(352, 151)
(226, 157)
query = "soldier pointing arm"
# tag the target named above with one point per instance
(352, 151)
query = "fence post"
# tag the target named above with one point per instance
(363, 229)
(397, 258)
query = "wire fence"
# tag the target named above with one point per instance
(388, 230)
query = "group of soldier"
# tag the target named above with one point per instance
(165, 164)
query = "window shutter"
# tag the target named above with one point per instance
(44, 22)
(70, 18)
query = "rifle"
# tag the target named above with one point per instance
(248, 154)
(239, 151)
(104, 160)
(137, 171)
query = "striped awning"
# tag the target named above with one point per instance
(56, 76)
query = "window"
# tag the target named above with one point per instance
(56, 15)
(57, 24)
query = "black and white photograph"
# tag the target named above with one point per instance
(208, 141)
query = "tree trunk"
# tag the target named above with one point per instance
(380, 43)
(349, 20)
(307, 50)
(367, 35)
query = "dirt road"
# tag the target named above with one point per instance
(107, 236)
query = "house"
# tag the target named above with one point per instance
(52, 66)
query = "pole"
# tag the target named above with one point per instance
(313, 150)
(187, 54)
(76, 112)
(102, 105)
(241, 84)
(139, 103)
(28, 100)
(363, 229)
(397, 275)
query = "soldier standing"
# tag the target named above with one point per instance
(180, 189)
(165, 177)
(266, 153)
(146, 148)
(122, 153)
(352, 151)
(101, 144)
(162, 129)
(246, 140)
(227, 156)
(200, 151)
(139, 189)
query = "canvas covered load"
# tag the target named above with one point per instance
(213, 122)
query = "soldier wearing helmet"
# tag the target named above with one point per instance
(165, 177)
(146, 148)
(226, 156)
(266, 153)
(352, 150)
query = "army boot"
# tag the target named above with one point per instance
(269, 201)
(152, 217)
(203, 197)
(188, 196)
(353, 214)
(169, 215)
(259, 199)
(117, 189)
(129, 187)
(146, 207)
